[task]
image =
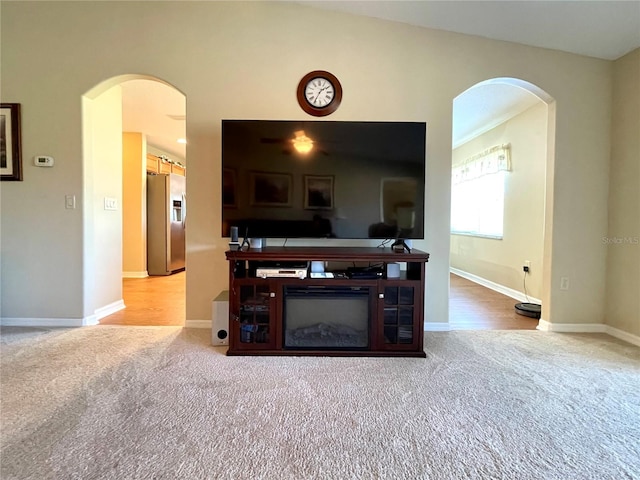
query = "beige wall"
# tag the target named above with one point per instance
(134, 205)
(501, 261)
(623, 238)
(103, 182)
(243, 60)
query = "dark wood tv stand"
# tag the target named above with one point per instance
(370, 316)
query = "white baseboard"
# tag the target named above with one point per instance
(622, 335)
(109, 309)
(197, 324)
(48, 322)
(437, 327)
(546, 326)
(144, 274)
(509, 292)
(64, 322)
(90, 320)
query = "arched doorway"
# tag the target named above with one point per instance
(491, 244)
(115, 186)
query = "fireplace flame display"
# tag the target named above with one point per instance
(326, 335)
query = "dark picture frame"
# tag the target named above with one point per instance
(10, 142)
(318, 192)
(229, 188)
(270, 189)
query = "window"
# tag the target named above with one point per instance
(477, 193)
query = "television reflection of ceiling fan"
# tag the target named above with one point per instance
(299, 143)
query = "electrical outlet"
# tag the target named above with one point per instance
(564, 283)
(527, 263)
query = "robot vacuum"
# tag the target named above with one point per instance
(528, 309)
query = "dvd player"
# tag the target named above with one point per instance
(270, 272)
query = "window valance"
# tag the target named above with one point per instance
(492, 160)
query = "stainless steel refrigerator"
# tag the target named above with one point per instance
(166, 216)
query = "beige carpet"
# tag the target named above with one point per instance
(112, 402)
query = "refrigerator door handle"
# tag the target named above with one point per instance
(184, 210)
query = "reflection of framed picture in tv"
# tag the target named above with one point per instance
(10, 155)
(318, 192)
(229, 188)
(270, 189)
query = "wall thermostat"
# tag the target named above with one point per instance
(43, 161)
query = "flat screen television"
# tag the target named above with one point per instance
(358, 180)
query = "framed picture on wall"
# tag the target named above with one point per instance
(318, 192)
(10, 145)
(270, 189)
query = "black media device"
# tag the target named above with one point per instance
(233, 239)
(360, 180)
(234, 235)
(365, 273)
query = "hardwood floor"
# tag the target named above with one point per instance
(161, 301)
(474, 307)
(151, 301)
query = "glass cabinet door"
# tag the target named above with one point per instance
(398, 315)
(254, 322)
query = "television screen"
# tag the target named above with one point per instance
(323, 179)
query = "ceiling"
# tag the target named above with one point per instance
(158, 111)
(601, 29)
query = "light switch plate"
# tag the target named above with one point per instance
(110, 203)
(70, 202)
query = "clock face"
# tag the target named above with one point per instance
(319, 92)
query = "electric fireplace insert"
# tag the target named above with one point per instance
(326, 317)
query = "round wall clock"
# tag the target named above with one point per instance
(319, 93)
